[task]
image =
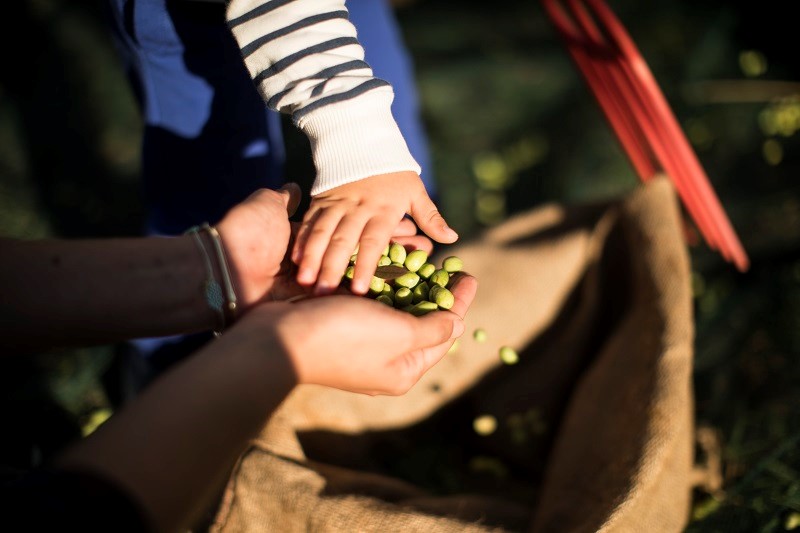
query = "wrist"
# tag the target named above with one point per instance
(199, 315)
(241, 265)
(354, 140)
(218, 287)
(268, 330)
(287, 334)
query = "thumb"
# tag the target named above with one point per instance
(435, 332)
(429, 220)
(291, 197)
(436, 328)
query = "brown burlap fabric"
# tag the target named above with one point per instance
(594, 424)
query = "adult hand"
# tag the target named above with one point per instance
(360, 345)
(365, 212)
(256, 234)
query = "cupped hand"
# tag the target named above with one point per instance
(256, 234)
(364, 213)
(360, 345)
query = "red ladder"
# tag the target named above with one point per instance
(640, 116)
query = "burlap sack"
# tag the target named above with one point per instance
(594, 424)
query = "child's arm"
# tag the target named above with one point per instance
(306, 61)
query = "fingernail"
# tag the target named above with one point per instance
(323, 289)
(305, 276)
(358, 287)
(450, 230)
(458, 329)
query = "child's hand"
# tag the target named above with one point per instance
(364, 213)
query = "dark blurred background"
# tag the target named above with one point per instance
(511, 125)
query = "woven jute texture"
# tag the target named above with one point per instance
(594, 426)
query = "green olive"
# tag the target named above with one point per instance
(432, 292)
(387, 290)
(376, 285)
(426, 270)
(421, 289)
(443, 298)
(420, 292)
(508, 355)
(440, 277)
(382, 298)
(415, 259)
(479, 335)
(484, 425)
(423, 308)
(452, 264)
(409, 279)
(403, 297)
(397, 253)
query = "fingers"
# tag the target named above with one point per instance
(437, 328)
(313, 241)
(326, 241)
(431, 339)
(373, 240)
(430, 220)
(336, 254)
(433, 335)
(464, 288)
(406, 234)
(291, 197)
(405, 228)
(302, 233)
(416, 242)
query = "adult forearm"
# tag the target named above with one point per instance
(174, 446)
(60, 292)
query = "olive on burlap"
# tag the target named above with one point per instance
(594, 423)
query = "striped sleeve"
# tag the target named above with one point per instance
(305, 58)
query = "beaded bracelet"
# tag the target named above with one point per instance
(222, 303)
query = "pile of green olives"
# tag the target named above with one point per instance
(419, 287)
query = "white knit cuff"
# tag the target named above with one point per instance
(355, 139)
